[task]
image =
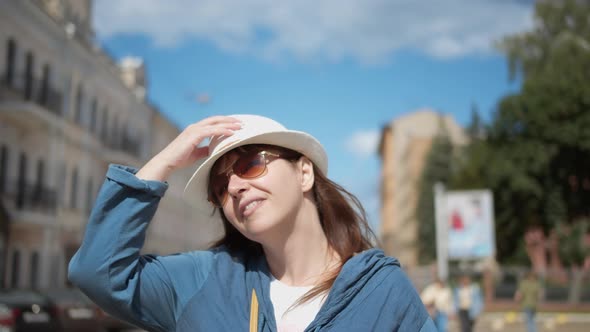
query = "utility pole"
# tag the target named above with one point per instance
(442, 256)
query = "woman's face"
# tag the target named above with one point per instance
(269, 203)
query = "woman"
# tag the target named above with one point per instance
(468, 302)
(295, 255)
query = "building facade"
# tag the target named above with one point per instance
(404, 147)
(66, 112)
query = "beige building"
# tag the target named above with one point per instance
(66, 112)
(404, 146)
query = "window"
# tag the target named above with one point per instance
(10, 61)
(115, 133)
(22, 181)
(93, 110)
(38, 193)
(61, 185)
(74, 189)
(89, 194)
(15, 276)
(44, 93)
(34, 270)
(54, 271)
(3, 168)
(78, 106)
(29, 65)
(105, 125)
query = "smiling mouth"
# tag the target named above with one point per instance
(251, 207)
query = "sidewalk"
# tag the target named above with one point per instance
(514, 321)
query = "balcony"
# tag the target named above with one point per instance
(8, 87)
(19, 87)
(51, 99)
(124, 143)
(23, 196)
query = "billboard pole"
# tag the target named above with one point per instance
(442, 256)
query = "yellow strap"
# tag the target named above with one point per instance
(254, 312)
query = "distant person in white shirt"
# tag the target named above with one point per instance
(468, 302)
(438, 301)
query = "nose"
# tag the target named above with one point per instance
(237, 186)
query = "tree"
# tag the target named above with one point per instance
(476, 128)
(536, 154)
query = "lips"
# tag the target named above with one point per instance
(248, 207)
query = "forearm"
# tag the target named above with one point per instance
(154, 170)
(106, 263)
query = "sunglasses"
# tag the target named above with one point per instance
(248, 166)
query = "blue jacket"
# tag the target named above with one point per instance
(211, 290)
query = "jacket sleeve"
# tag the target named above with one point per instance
(108, 266)
(428, 326)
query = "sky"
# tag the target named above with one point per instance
(338, 69)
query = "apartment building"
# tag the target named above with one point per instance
(404, 147)
(67, 111)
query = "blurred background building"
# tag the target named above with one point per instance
(66, 112)
(404, 147)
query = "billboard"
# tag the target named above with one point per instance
(470, 224)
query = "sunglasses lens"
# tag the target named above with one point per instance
(249, 167)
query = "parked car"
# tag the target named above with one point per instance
(76, 312)
(27, 311)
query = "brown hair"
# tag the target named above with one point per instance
(342, 217)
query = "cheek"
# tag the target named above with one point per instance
(228, 211)
(285, 186)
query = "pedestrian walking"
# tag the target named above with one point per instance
(438, 301)
(528, 295)
(297, 253)
(468, 302)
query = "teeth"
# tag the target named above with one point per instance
(251, 205)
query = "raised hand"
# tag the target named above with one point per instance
(184, 150)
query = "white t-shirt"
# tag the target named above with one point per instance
(439, 296)
(465, 297)
(296, 318)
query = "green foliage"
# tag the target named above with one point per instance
(476, 128)
(436, 169)
(536, 153)
(573, 248)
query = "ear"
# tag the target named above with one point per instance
(307, 175)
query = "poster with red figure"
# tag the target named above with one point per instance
(470, 224)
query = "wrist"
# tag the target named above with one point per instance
(154, 171)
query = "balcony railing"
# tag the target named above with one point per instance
(125, 143)
(31, 88)
(9, 86)
(30, 197)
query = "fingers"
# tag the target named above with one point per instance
(212, 126)
(225, 129)
(218, 119)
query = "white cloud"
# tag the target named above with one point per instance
(368, 30)
(363, 143)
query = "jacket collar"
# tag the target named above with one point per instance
(355, 274)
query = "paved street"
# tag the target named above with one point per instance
(513, 322)
(546, 322)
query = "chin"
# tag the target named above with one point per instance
(257, 229)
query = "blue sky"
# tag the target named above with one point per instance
(339, 70)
